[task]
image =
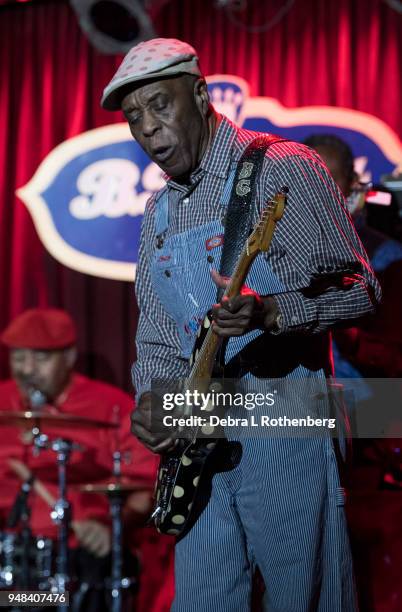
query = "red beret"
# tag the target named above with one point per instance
(40, 328)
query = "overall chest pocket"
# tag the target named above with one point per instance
(205, 244)
(171, 276)
(182, 280)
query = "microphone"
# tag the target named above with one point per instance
(37, 399)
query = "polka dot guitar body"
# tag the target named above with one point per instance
(181, 470)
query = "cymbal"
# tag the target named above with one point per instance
(111, 487)
(39, 418)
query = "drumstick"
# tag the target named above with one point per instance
(25, 473)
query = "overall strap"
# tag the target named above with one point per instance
(161, 216)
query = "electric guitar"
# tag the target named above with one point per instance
(181, 469)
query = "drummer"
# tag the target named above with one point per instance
(43, 353)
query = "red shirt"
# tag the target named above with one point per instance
(86, 398)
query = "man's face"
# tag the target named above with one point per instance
(168, 119)
(47, 371)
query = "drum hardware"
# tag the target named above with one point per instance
(20, 514)
(7, 576)
(61, 512)
(26, 535)
(41, 420)
(115, 491)
(108, 488)
(36, 421)
(12, 551)
(43, 558)
(117, 582)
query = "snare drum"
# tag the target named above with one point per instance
(40, 556)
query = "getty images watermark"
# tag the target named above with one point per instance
(197, 409)
(313, 406)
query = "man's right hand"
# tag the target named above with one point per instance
(141, 427)
(93, 536)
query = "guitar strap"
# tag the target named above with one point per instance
(239, 214)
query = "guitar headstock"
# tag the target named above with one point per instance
(260, 238)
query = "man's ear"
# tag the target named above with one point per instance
(201, 96)
(71, 356)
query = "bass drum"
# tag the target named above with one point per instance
(25, 566)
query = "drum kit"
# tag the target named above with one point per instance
(37, 563)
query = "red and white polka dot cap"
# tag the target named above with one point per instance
(148, 60)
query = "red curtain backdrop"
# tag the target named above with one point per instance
(332, 52)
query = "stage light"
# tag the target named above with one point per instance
(114, 26)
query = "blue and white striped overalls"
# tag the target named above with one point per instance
(281, 506)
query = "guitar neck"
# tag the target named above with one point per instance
(205, 360)
(259, 240)
(240, 273)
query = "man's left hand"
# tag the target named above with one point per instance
(238, 315)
